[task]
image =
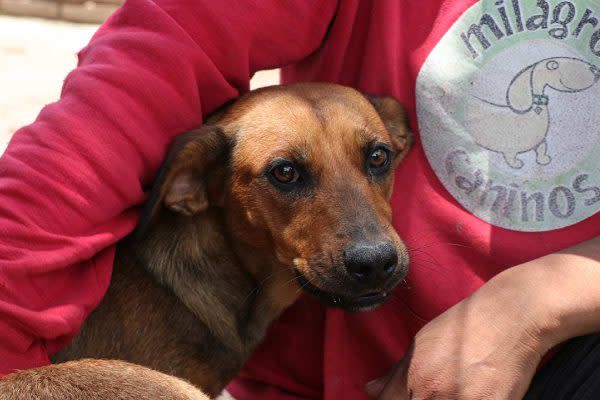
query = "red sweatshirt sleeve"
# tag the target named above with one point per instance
(70, 182)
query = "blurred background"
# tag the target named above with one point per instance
(39, 40)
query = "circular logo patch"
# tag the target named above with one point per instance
(507, 104)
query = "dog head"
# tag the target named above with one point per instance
(564, 74)
(303, 174)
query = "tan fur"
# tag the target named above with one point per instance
(219, 249)
(96, 380)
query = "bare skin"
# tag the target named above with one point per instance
(504, 328)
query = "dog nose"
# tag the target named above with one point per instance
(595, 71)
(371, 263)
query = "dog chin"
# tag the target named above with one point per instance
(361, 303)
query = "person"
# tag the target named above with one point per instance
(497, 201)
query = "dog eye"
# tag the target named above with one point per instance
(552, 65)
(285, 174)
(378, 160)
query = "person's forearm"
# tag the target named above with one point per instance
(71, 183)
(491, 343)
(563, 290)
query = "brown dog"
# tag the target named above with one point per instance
(286, 188)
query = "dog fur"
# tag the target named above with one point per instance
(219, 252)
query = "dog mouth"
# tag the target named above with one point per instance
(572, 89)
(363, 302)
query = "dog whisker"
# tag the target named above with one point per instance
(417, 235)
(426, 246)
(304, 285)
(260, 284)
(416, 253)
(417, 262)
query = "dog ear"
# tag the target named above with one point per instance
(519, 96)
(394, 118)
(182, 185)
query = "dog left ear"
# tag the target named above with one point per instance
(182, 185)
(394, 118)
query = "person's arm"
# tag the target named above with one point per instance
(70, 182)
(490, 344)
(568, 289)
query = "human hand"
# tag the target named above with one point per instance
(486, 347)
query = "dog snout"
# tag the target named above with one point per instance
(596, 71)
(371, 263)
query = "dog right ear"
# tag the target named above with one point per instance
(393, 115)
(182, 184)
(519, 96)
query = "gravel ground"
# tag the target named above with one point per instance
(35, 57)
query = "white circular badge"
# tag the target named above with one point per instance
(507, 104)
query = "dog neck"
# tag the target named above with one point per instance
(192, 258)
(540, 101)
(230, 287)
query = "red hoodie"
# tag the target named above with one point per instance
(500, 93)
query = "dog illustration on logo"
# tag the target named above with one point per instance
(521, 125)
